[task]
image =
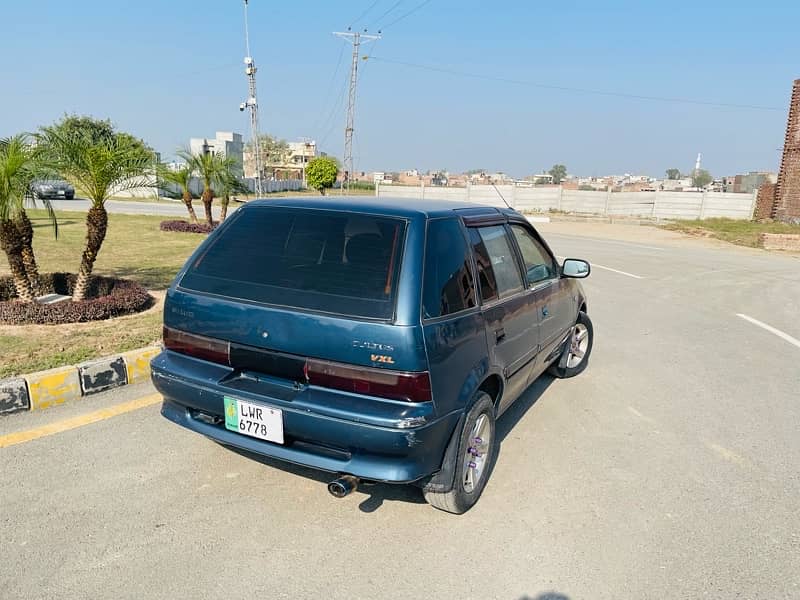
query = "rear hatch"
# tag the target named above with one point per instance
(304, 295)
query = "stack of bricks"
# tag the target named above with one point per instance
(765, 202)
(786, 206)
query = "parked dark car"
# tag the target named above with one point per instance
(377, 339)
(52, 189)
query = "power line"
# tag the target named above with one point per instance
(330, 83)
(562, 88)
(330, 124)
(391, 8)
(363, 14)
(403, 16)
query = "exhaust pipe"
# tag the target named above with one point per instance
(343, 486)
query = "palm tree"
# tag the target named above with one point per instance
(228, 182)
(20, 163)
(181, 178)
(207, 166)
(101, 167)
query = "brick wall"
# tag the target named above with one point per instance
(781, 241)
(787, 190)
(765, 202)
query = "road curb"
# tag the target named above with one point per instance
(45, 389)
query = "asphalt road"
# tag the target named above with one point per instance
(134, 207)
(669, 469)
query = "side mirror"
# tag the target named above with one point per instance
(575, 268)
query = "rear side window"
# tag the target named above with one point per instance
(329, 261)
(448, 286)
(497, 266)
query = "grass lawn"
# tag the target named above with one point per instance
(743, 233)
(134, 248)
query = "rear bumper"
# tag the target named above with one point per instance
(322, 430)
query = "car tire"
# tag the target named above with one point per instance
(477, 451)
(575, 357)
(69, 197)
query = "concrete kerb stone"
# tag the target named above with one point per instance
(53, 387)
(46, 389)
(103, 374)
(14, 395)
(137, 363)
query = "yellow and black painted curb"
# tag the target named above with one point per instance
(42, 390)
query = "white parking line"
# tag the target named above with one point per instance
(616, 271)
(595, 265)
(771, 329)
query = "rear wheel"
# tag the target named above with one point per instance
(575, 357)
(474, 460)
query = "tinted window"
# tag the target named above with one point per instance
(448, 286)
(323, 260)
(498, 272)
(539, 264)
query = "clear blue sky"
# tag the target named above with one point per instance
(170, 70)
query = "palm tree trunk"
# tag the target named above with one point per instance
(12, 246)
(96, 227)
(208, 198)
(25, 229)
(187, 200)
(226, 199)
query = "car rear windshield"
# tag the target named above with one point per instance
(321, 260)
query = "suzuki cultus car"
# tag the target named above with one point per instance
(377, 339)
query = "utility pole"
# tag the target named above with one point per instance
(355, 39)
(252, 103)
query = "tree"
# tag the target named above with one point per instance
(182, 178)
(701, 178)
(20, 163)
(229, 183)
(101, 167)
(96, 129)
(208, 167)
(321, 173)
(274, 153)
(558, 173)
(673, 174)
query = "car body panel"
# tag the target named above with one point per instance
(332, 431)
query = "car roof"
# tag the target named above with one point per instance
(400, 207)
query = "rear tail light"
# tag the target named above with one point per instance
(197, 345)
(396, 385)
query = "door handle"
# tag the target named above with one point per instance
(499, 334)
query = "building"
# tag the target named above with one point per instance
(226, 143)
(288, 164)
(748, 183)
(299, 154)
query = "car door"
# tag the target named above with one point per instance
(555, 306)
(508, 309)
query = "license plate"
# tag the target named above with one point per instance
(60, 192)
(255, 420)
